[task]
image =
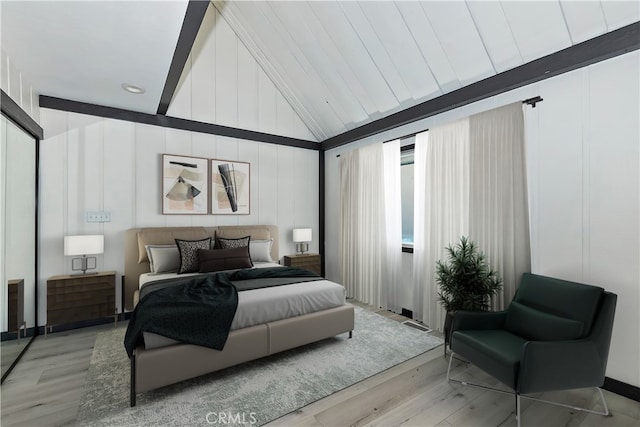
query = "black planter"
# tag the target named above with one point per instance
(448, 322)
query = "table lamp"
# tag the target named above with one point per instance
(83, 245)
(302, 237)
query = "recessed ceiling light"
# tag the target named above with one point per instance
(132, 88)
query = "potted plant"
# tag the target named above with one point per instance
(465, 281)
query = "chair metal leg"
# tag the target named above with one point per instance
(577, 408)
(449, 368)
(518, 396)
(132, 389)
(471, 384)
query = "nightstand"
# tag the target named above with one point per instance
(308, 261)
(80, 297)
(15, 307)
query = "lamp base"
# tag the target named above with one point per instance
(301, 248)
(84, 265)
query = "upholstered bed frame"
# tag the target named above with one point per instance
(154, 368)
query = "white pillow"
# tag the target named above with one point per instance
(163, 258)
(260, 250)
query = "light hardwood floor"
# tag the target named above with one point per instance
(45, 390)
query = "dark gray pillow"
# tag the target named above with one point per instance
(188, 254)
(224, 259)
(233, 243)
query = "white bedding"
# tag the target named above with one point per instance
(264, 305)
(152, 277)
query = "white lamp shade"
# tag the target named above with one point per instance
(302, 235)
(83, 245)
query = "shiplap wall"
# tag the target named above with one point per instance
(91, 164)
(15, 84)
(583, 160)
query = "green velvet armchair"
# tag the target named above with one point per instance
(555, 335)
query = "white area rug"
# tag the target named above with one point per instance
(253, 393)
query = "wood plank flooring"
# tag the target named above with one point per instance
(45, 389)
(9, 351)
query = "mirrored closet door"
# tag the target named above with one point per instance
(18, 192)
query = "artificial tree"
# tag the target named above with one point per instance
(465, 281)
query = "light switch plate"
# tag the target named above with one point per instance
(98, 216)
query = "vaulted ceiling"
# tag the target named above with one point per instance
(340, 64)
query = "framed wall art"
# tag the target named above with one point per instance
(185, 185)
(230, 187)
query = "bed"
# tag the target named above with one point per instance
(319, 312)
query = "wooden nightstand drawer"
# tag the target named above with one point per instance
(308, 261)
(80, 297)
(15, 304)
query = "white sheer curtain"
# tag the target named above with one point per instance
(371, 234)
(474, 184)
(441, 209)
(393, 220)
(499, 220)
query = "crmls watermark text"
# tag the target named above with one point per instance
(224, 418)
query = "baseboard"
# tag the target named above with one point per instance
(8, 336)
(83, 324)
(623, 389)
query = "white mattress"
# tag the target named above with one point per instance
(264, 305)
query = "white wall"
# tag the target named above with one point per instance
(583, 147)
(92, 164)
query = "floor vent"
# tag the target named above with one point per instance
(416, 325)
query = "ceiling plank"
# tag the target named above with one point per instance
(331, 46)
(272, 52)
(313, 50)
(428, 43)
(609, 45)
(619, 13)
(461, 42)
(527, 19)
(496, 34)
(585, 19)
(389, 25)
(376, 50)
(355, 55)
(321, 96)
(193, 17)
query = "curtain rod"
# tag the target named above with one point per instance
(531, 101)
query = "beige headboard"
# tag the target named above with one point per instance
(135, 256)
